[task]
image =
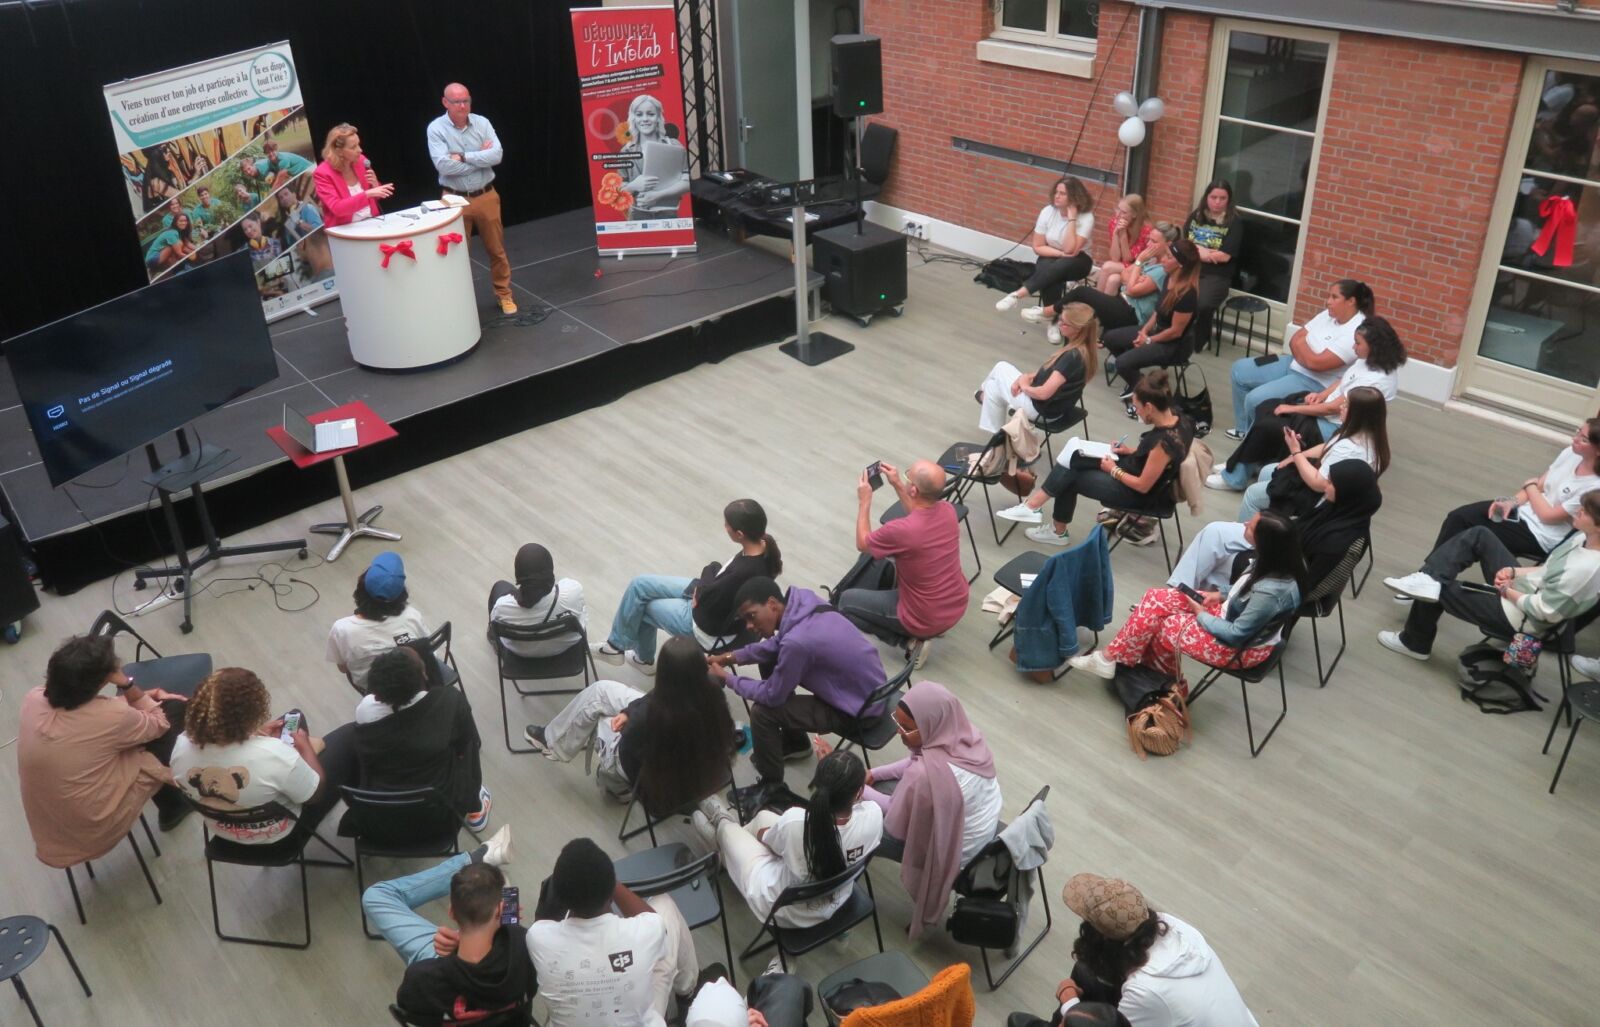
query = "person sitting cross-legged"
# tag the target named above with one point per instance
(1531, 600)
(468, 972)
(804, 644)
(596, 966)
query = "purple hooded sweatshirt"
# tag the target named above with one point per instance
(815, 648)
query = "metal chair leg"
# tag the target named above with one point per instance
(1562, 765)
(71, 961)
(146, 824)
(1554, 722)
(27, 999)
(76, 901)
(1283, 694)
(151, 881)
(1357, 584)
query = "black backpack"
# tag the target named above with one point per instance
(1492, 685)
(867, 572)
(1003, 274)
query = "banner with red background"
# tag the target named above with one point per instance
(631, 87)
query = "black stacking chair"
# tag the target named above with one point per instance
(409, 823)
(88, 866)
(1248, 676)
(181, 674)
(797, 941)
(1325, 598)
(574, 660)
(694, 885)
(872, 731)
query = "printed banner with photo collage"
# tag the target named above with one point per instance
(631, 87)
(218, 157)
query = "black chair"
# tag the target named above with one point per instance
(409, 823)
(574, 660)
(651, 820)
(519, 1016)
(959, 483)
(1162, 512)
(1248, 676)
(180, 674)
(289, 851)
(89, 867)
(893, 968)
(1357, 584)
(1076, 414)
(23, 940)
(993, 876)
(1327, 597)
(1009, 578)
(872, 731)
(694, 885)
(439, 643)
(1580, 701)
(797, 941)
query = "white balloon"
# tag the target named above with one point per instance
(1152, 109)
(1125, 104)
(1131, 133)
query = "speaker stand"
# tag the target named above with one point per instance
(808, 347)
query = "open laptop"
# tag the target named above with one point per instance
(319, 438)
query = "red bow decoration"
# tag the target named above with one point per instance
(403, 248)
(446, 239)
(1560, 227)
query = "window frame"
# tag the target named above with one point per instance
(1050, 37)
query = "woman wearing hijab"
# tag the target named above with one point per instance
(535, 599)
(946, 806)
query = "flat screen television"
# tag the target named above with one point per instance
(106, 381)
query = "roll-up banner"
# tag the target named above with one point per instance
(631, 86)
(217, 157)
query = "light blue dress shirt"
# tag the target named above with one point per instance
(475, 172)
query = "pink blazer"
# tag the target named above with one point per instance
(338, 206)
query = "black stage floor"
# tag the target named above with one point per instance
(671, 313)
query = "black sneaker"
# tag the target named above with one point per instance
(1127, 394)
(533, 734)
(1127, 406)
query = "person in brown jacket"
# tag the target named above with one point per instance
(85, 762)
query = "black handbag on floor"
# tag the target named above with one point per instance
(1196, 407)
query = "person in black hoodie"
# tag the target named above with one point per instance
(700, 607)
(413, 732)
(480, 966)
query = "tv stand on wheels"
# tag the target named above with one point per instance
(187, 472)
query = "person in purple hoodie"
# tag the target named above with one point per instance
(806, 644)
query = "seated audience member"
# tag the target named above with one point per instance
(464, 973)
(1217, 231)
(596, 966)
(1318, 354)
(1136, 479)
(930, 593)
(1074, 1012)
(946, 806)
(1316, 416)
(1061, 246)
(1158, 969)
(1363, 435)
(673, 744)
(1130, 234)
(700, 608)
(1166, 625)
(408, 735)
(836, 829)
(804, 643)
(536, 598)
(1166, 337)
(1531, 600)
(1326, 534)
(1055, 387)
(231, 757)
(1538, 515)
(1142, 281)
(384, 618)
(773, 1000)
(86, 763)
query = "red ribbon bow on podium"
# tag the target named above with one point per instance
(446, 239)
(403, 248)
(1560, 227)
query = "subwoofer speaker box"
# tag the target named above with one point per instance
(863, 274)
(857, 76)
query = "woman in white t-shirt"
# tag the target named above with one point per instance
(232, 756)
(537, 598)
(1315, 415)
(836, 829)
(1061, 248)
(384, 618)
(1363, 435)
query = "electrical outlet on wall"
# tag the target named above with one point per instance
(915, 229)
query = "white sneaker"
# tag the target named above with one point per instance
(1588, 666)
(1038, 314)
(608, 653)
(1418, 586)
(1234, 434)
(648, 669)
(1022, 513)
(920, 658)
(1046, 534)
(1054, 335)
(715, 810)
(1094, 663)
(1219, 466)
(1391, 640)
(1218, 482)
(1006, 302)
(499, 843)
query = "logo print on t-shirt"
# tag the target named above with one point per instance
(620, 961)
(854, 853)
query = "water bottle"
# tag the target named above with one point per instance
(746, 740)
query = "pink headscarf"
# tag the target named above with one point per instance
(927, 809)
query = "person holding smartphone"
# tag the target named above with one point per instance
(1169, 623)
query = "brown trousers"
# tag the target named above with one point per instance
(483, 216)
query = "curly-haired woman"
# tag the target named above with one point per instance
(232, 756)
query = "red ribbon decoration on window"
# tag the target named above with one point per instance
(403, 248)
(446, 239)
(1560, 227)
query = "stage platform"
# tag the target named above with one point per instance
(589, 329)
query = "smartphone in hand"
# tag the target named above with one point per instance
(510, 904)
(1191, 593)
(291, 724)
(875, 475)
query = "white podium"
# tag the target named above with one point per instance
(417, 311)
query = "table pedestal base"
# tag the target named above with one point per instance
(353, 526)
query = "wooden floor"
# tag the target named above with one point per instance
(1391, 858)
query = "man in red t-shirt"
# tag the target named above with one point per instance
(931, 592)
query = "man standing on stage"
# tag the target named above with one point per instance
(465, 149)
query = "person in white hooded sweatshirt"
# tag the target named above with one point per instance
(1169, 976)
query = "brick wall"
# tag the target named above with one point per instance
(1175, 141)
